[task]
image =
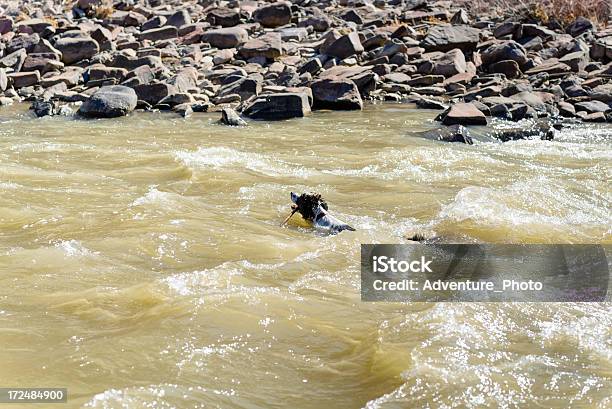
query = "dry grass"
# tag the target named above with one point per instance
(545, 11)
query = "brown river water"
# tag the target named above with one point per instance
(142, 264)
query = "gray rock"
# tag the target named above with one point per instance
(592, 106)
(109, 102)
(445, 38)
(76, 49)
(278, 106)
(23, 41)
(336, 93)
(273, 15)
(509, 68)
(14, 60)
(3, 80)
(231, 117)
(43, 108)
(453, 133)
(223, 17)
(230, 37)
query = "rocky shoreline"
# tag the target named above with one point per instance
(279, 60)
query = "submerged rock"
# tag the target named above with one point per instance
(43, 108)
(454, 133)
(529, 130)
(109, 102)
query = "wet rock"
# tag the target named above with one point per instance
(43, 108)
(345, 46)
(231, 117)
(445, 38)
(230, 37)
(278, 106)
(274, 15)
(538, 129)
(426, 103)
(453, 133)
(463, 114)
(336, 93)
(75, 49)
(183, 110)
(109, 102)
(268, 46)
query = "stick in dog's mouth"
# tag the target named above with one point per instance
(313, 208)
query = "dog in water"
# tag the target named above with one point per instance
(313, 208)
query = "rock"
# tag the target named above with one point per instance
(507, 50)
(104, 38)
(223, 17)
(566, 109)
(183, 110)
(541, 129)
(345, 46)
(43, 108)
(576, 60)
(463, 114)
(552, 66)
(3, 80)
(154, 92)
(278, 106)
(23, 41)
(159, 34)
(425, 103)
(179, 19)
(14, 60)
(336, 93)
(445, 38)
(579, 26)
(268, 46)
(223, 56)
(509, 68)
(6, 25)
(453, 62)
(76, 49)
(318, 21)
(592, 106)
(460, 17)
(100, 72)
(36, 62)
(231, 117)
(293, 33)
(454, 133)
(274, 15)
(154, 22)
(230, 37)
(109, 102)
(24, 79)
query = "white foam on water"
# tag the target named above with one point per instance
(153, 196)
(74, 248)
(220, 157)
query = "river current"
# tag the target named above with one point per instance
(142, 264)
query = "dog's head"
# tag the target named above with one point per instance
(309, 205)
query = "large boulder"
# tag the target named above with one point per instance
(336, 93)
(345, 46)
(75, 49)
(109, 102)
(268, 46)
(278, 106)
(445, 38)
(154, 92)
(507, 50)
(274, 15)
(463, 114)
(229, 37)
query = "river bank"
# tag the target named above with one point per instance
(281, 60)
